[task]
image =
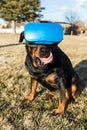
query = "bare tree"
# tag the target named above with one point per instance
(71, 17)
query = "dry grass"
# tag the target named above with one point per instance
(15, 114)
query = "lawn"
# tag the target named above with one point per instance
(18, 114)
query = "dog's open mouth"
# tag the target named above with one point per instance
(47, 60)
(42, 62)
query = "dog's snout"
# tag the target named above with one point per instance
(43, 51)
(37, 60)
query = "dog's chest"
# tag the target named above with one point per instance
(50, 80)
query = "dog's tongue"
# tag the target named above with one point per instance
(47, 60)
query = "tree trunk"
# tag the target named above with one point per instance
(13, 26)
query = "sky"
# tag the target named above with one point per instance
(56, 10)
(2, 21)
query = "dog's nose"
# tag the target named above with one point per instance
(43, 51)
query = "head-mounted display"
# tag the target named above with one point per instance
(43, 33)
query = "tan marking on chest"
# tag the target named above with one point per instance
(50, 79)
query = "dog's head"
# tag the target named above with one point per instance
(41, 55)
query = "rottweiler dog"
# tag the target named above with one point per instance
(51, 67)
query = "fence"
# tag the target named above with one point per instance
(10, 30)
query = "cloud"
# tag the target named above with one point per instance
(55, 9)
(81, 0)
(81, 5)
(63, 8)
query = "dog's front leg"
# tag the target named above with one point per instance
(62, 97)
(62, 105)
(33, 90)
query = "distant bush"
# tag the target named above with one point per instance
(76, 28)
(8, 25)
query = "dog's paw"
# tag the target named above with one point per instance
(60, 109)
(56, 113)
(30, 97)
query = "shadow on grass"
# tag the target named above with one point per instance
(81, 69)
(27, 104)
(8, 45)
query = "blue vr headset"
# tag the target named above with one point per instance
(43, 33)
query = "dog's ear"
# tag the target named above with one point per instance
(21, 37)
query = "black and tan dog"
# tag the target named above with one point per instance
(48, 65)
